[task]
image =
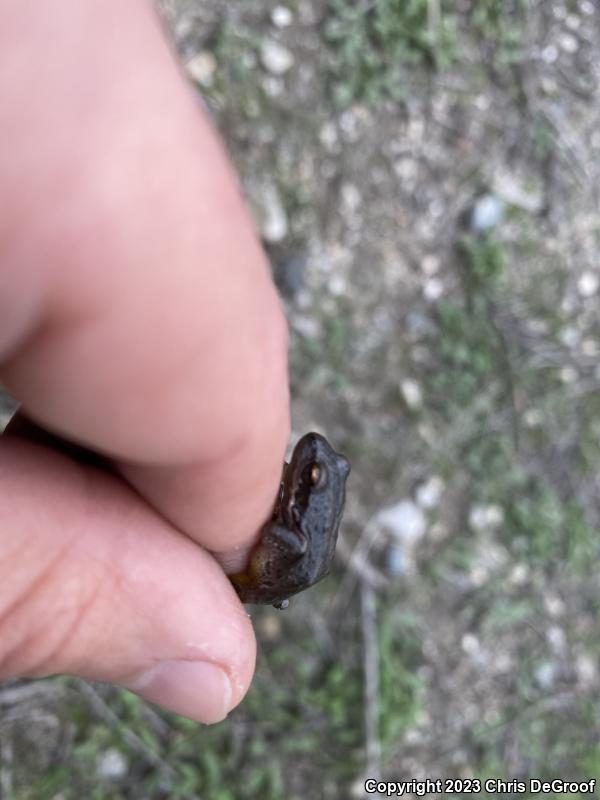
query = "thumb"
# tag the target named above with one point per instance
(94, 583)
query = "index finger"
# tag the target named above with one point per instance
(141, 317)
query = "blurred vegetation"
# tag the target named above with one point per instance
(374, 41)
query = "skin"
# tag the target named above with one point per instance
(138, 319)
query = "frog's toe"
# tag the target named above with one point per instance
(282, 604)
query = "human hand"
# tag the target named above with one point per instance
(138, 319)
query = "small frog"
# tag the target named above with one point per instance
(297, 544)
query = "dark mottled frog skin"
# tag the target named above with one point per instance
(297, 544)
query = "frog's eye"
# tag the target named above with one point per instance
(317, 475)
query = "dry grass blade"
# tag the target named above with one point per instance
(371, 685)
(99, 706)
(6, 769)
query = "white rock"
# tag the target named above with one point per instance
(487, 213)
(433, 289)
(482, 518)
(569, 43)
(430, 264)
(275, 58)
(550, 54)
(533, 418)
(337, 285)
(395, 560)
(570, 336)
(328, 136)
(556, 638)
(407, 172)
(405, 521)
(269, 213)
(587, 671)
(411, 392)
(471, 645)
(545, 675)
(281, 17)
(519, 574)
(553, 604)
(201, 68)
(588, 284)
(568, 374)
(111, 765)
(351, 197)
(429, 493)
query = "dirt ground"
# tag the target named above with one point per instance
(426, 186)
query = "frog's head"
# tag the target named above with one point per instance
(314, 493)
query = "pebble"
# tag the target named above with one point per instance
(328, 136)
(433, 289)
(568, 374)
(411, 392)
(111, 765)
(406, 521)
(407, 171)
(429, 493)
(556, 638)
(482, 518)
(553, 604)
(569, 43)
(545, 675)
(201, 68)
(570, 336)
(519, 574)
(281, 17)
(291, 275)
(472, 647)
(430, 265)
(587, 671)
(337, 285)
(533, 418)
(588, 284)
(351, 197)
(487, 213)
(269, 213)
(550, 54)
(275, 58)
(395, 560)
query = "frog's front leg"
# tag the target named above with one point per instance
(289, 545)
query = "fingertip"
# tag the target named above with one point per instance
(197, 689)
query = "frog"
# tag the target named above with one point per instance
(297, 543)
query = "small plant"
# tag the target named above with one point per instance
(371, 42)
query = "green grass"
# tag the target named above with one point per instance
(373, 43)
